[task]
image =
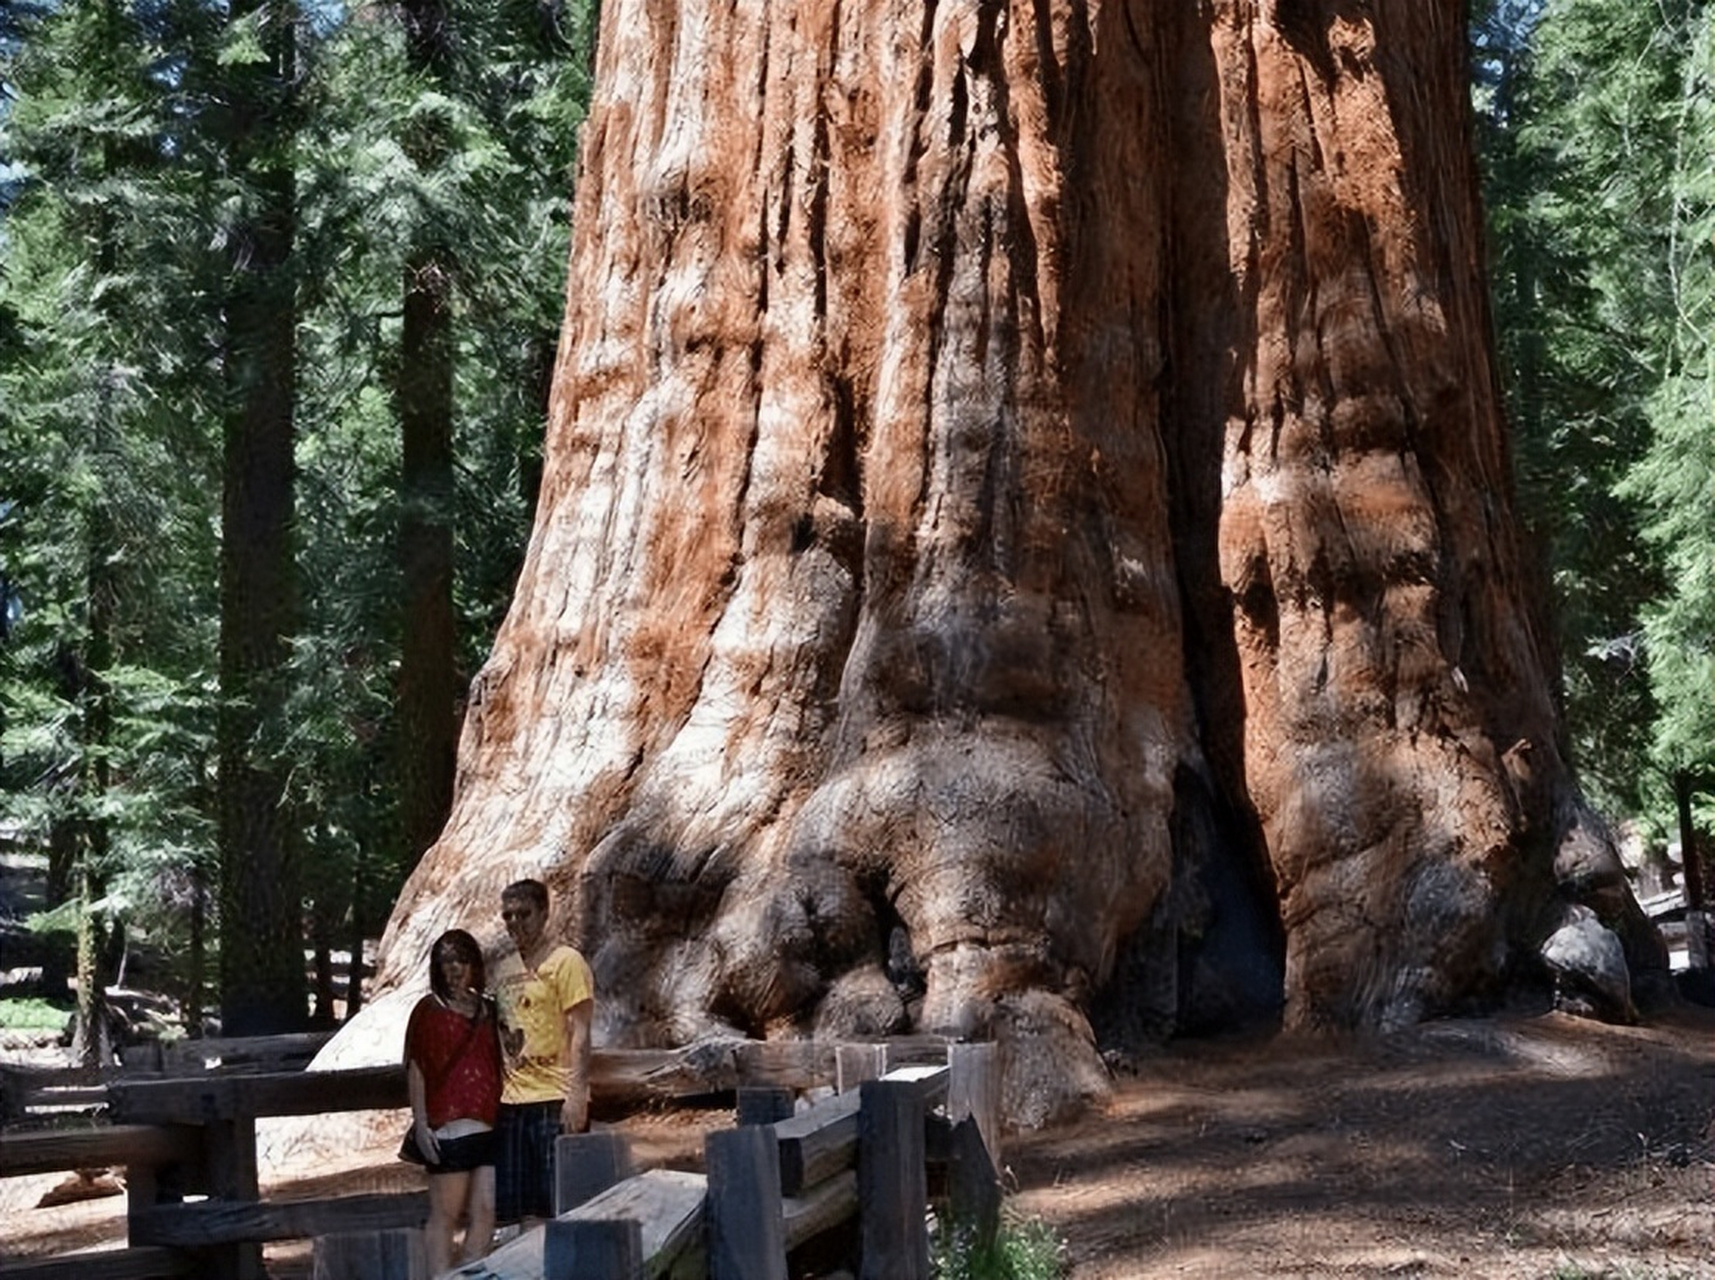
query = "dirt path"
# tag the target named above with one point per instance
(1541, 1147)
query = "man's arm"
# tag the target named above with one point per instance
(575, 1057)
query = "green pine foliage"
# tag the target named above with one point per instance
(1673, 483)
(1595, 133)
(113, 254)
(104, 687)
(1022, 1249)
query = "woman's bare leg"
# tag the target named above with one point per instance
(479, 1229)
(447, 1195)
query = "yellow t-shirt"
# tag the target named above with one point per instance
(532, 1008)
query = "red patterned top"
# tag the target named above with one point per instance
(468, 1089)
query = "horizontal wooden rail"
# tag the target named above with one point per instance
(107, 1264)
(286, 1093)
(54, 1150)
(818, 1143)
(618, 1077)
(25, 1089)
(806, 1177)
(822, 1141)
(200, 1224)
(819, 1208)
(668, 1203)
(226, 1053)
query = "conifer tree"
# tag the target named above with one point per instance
(1598, 156)
(103, 718)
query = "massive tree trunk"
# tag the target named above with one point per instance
(1026, 538)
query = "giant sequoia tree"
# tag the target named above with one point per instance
(1026, 540)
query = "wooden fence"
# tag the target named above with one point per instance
(189, 1150)
(875, 1156)
(36, 1092)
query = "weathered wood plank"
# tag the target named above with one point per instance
(820, 1142)
(747, 1232)
(817, 1143)
(973, 1089)
(102, 1147)
(586, 1164)
(892, 1182)
(26, 1089)
(227, 1053)
(929, 1083)
(668, 1203)
(855, 1063)
(764, 1104)
(973, 1184)
(823, 1206)
(108, 1264)
(229, 1165)
(397, 1254)
(205, 1223)
(617, 1077)
(284, 1093)
(629, 1077)
(912, 1051)
(598, 1249)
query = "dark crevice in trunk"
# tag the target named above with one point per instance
(1207, 320)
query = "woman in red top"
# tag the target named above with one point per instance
(452, 1068)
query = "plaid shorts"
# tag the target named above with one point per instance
(524, 1160)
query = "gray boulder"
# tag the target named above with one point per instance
(1588, 962)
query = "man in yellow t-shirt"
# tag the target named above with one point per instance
(545, 996)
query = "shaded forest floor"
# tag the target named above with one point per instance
(1546, 1146)
(1523, 1147)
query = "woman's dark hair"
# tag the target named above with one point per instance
(460, 945)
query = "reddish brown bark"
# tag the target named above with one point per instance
(1026, 529)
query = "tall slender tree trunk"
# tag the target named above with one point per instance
(1025, 536)
(261, 934)
(91, 1041)
(428, 677)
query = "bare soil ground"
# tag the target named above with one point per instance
(1523, 1147)
(1538, 1147)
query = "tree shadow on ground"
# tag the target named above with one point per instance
(1455, 1137)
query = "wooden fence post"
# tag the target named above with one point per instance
(764, 1104)
(973, 1185)
(592, 1249)
(587, 1164)
(973, 1089)
(371, 1255)
(747, 1224)
(855, 1063)
(229, 1155)
(893, 1186)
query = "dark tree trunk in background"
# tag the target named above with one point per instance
(92, 1041)
(91, 671)
(428, 677)
(262, 977)
(1691, 864)
(1025, 537)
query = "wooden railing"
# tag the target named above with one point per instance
(189, 1150)
(874, 1156)
(27, 1092)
